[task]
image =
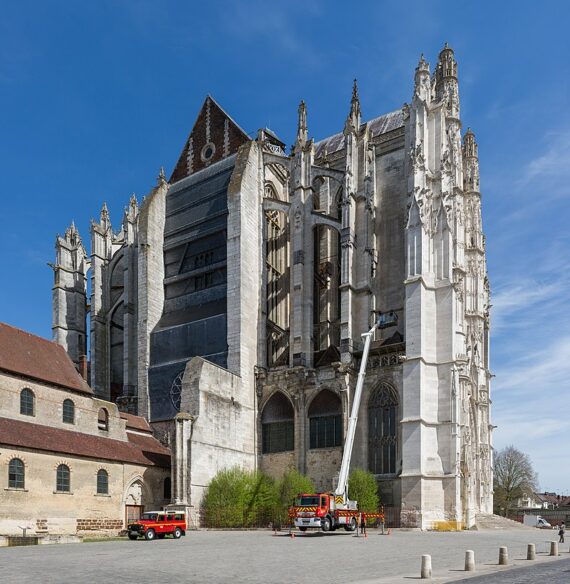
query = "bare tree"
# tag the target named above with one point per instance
(514, 477)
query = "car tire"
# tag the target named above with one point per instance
(327, 524)
(177, 533)
(133, 537)
(150, 535)
(302, 529)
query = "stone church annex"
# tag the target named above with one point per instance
(227, 309)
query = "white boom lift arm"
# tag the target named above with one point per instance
(342, 486)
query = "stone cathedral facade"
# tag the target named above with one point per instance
(229, 306)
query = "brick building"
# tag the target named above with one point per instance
(69, 462)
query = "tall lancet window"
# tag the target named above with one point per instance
(414, 238)
(382, 430)
(276, 252)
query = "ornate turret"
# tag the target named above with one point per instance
(104, 219)
(470, 162)
(446, 81)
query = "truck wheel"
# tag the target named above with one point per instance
(302, 529)
(150, 535)
(351, 526)
(177, 533)
(326, 524)
(133, 536)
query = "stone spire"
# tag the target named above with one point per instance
(447, 62)
(161, 178)
(302, 130)
(446, 85)
(422, 84)
(104, 219)
(353, 120)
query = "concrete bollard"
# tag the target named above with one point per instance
(426, 567)
(553, 548)
(469, 561)
(503, 556)
(531, 552)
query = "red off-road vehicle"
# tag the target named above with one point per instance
(158, 524)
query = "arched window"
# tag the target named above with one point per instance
(16, 474)
(382, 434)
(27, 402)
(325, 420)
(68, 411)
(167, 494)
(62, 479)
(102, 482)
(103, 419)
(277, 425)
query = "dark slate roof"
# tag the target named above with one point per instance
(36, 358)
(377, 126)
(145, 450)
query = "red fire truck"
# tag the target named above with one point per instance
(329, 511)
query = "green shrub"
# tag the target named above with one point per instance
(362, 487)
(239, 498)
(288, 487)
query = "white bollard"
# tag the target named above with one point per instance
(531, 552)
(503, 556)
(469, 561)
(426, 567)
(553, 548)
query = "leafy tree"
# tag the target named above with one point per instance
(513, 477)
(291, 484)
(362, 487)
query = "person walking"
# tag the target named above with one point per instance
(561, 530)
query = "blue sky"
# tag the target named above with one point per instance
(96, 97)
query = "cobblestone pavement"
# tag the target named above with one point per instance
(260, 557)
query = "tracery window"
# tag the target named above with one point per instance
(277, 425)
(102, 482)
(325, 420)
(382, 432)
(63, 479)
(68, 411)
(27, 402)
(16, 474)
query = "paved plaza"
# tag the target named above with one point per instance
(260, 556)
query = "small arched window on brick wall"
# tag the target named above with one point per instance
(325, 420)
(102, 482)
(382, 430)
(27, 402)
(103, 419)
(68, 411)
(16, 474)
(277, 425)
(63, 479)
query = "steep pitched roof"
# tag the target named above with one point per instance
(377, 126)
(215, 136)
(36, 358)
(144, 450)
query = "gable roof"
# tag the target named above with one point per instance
(135, 422)
(214, 136)
(36, 358)
(145, 450)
